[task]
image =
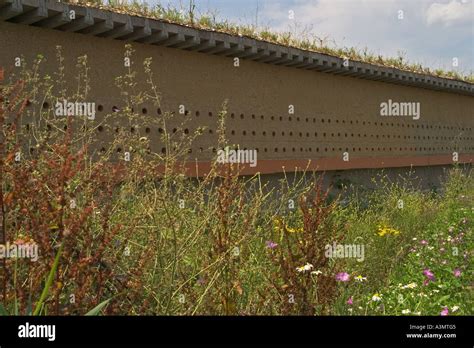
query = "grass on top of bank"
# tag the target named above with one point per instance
(189, 15)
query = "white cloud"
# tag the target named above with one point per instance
(450, 13)
(375, 24)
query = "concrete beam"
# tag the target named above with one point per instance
(189, 42)
(37, 14)
(219, 48)
(80, 23)
(158, 33)
(12, 9)
(57, 20)
(140, 30)
(120, 29)
(101, 25)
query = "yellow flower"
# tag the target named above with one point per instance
(383, 230)
(277, 224)
(293, 230)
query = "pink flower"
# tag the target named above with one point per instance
(349, 301)
(445, 311)
(457, 272)
(270, 244)
(428, 274)
(342, 277)
(423, 242)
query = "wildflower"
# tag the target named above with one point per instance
(359, 278)
(342, 277)
(423, 242)
(428, 274)
(455, 308)
(450, 229)
(307, 267)
(318, 272)
(277, 224)
(293, 230)
(457, 272)
(444, 312)
(383, 230)
(376, 297)
(409, 286)
(270, 244)
(406, 311)
(349, 301)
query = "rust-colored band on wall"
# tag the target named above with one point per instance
(327, 164)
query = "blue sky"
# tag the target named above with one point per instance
(431, 32)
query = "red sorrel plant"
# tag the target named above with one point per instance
(305, 283)
(54, 195)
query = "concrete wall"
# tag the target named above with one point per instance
(333, 113)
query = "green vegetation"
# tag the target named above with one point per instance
(189, 16)
(139, 237)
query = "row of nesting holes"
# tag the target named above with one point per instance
(264, 133)
(276, 149)
(197, 113)
(354, 149)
